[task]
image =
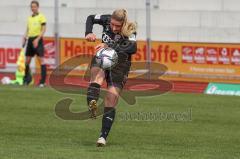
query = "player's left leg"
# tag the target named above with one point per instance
(93, 91)
(110, 101)
(29, 54)
(28, 76)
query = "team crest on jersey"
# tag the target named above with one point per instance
(107, 39)
(117, 37)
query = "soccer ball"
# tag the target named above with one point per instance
(107, 58)
(6, 80)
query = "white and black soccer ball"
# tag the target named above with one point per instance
(107, 58)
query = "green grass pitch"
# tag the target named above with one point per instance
(29, 128)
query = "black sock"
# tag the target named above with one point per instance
(93, 92)
(26, 70)
(107, 121)
(27, 77)
(43, 74)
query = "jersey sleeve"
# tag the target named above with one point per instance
(96, 19)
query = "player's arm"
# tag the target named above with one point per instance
(25, 37)
(94, 19)
(43, 30)
(128, 45)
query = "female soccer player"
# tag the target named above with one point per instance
(120, 34)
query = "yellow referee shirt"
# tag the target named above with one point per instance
(35, 24)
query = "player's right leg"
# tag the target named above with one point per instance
(110, 102)
(27, 77)
(93, 92)
(29, 54)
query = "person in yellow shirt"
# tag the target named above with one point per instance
(36, 27)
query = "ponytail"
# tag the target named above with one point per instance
(128, 28)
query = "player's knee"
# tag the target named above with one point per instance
(28, 60)
(97, 77)
(111, 99)
(97, 80)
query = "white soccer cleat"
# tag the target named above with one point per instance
(101, 142)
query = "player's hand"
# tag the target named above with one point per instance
(91, 37)
(24, 41)
(100, 46)
(35, 43)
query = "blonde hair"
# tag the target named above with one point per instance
(128, 28)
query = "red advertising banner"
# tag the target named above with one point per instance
(10, 47)
(235, 56)
(49, 54)
(185, 61)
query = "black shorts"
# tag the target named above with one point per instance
(31, 50)
(117, 76)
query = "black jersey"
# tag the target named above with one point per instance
(119, 43)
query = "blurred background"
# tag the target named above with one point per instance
(171, 20)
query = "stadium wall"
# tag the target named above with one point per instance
(171, 20)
